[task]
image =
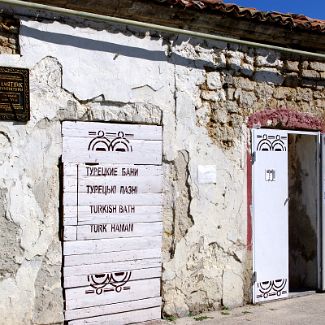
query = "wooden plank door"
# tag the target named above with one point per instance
(112, 205)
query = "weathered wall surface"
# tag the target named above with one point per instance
(202, 93)
(216, 93)
(9, 30)
(66, 83)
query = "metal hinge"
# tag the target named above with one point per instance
(254, 277)
(253, 157)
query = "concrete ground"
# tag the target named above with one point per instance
(304, 310)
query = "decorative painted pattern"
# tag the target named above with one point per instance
(271, 143)
(101, 141)
(271, 288)
(116, 281)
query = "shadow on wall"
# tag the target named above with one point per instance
(163, 56)
(102, 46)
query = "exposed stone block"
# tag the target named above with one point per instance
(234, 60)
(230, 93)
(220, 60)
(266, 58)
(244, 83)
(247, 69)
(319, 94)
(310, 74)
(268, 75)
(245, 99)
(284, 93)
(320, 103)
(213, 96)
(250, 57)
(305, 64)
(8, 35)
(292, 66)
(305, 94)
(264, 91)
(214, 80)
(312, 83)
(291, 80)
(320, 84)
(318, 66)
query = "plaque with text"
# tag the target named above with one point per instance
(112, 218)
(14, 94)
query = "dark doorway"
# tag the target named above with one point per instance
(303, 211)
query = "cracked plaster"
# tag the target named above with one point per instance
(31, 293)
(201, 92)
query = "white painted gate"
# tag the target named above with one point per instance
(112, 205)
(270, 214)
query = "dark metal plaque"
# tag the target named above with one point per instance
(14, 94)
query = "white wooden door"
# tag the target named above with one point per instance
(112, 216)
(270, 214)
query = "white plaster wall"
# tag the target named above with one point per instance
(133, 85)
(81, 73)
(96, 63)
(208, 268)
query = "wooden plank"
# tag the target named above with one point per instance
(116, 185)
(111, 170)
(82, 129)
(117, 308)
(112, 230)
(141, 274)
(112, 257)
(110, 245)
(70, 233)
(143, 152)
(130, 317)
(95, 219)
(84, 211)
(78, 298)
(111, 267)
(121, 200)
(88, 215)
(70, 221)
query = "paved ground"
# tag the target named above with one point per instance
(308, 310)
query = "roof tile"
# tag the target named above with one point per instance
(292, 21)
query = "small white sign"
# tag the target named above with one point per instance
(207, 174)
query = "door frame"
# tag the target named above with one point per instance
(320, 161)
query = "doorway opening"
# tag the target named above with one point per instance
(288, 196)
(303, 188)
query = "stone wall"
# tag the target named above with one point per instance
(203, 93)
(9, 29)
(227, 88)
